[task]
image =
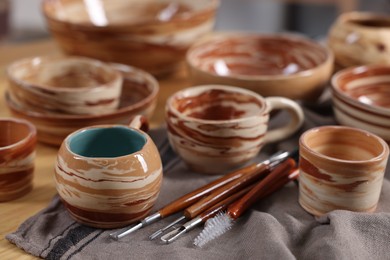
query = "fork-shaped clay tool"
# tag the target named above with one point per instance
(196, 195)
(177, 232)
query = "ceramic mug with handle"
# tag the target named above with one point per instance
(216, 128)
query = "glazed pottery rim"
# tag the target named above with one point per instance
(212, 6)
(384, 145)
(207, 87)
(32, 131)
(352, 17)
(217, 37)
(335, 86)
(152, 83)
(26, 85)
(68, 138)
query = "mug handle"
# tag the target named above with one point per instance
(139, 122)
(296, 121)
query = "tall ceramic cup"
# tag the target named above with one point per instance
(215, 128)
(108, 176)
(340, 168)
(17, 154)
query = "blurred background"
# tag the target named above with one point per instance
(21, 20)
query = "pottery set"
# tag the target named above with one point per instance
(342, 167)
(108, 174)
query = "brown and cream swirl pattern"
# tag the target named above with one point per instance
(150, 34)
(341, 168)
(361, 98)
(213, 147)
(138, 97)
(67, 85)
(217, 128)
(285, 65)
(252, 56)
(17, 155)
(109, 192)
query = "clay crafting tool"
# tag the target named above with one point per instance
(196, 195)
(178, 232)
(218, 195)
(221, 223)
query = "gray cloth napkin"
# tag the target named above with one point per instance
(275, 228)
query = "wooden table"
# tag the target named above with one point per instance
(13, 213)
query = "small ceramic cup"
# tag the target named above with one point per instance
(340, 168)
(108, 176)
(216, 128)
(70, 85)
(17, 154)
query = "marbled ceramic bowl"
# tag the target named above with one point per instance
(70, 85)
(360, 38)
(361, 98)
(150, 34)
(139, 96)
(271, 65)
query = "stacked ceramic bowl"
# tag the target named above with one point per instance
(361, 98)
(62, 94)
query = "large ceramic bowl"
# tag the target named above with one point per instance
(139, 97)
(360, 38)
(361, 98)
(271, 65)
(150, 34)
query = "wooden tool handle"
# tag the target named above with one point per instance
(194, 196)
(225, 191)
(294, 173)
(282, 171)
(211, 212)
